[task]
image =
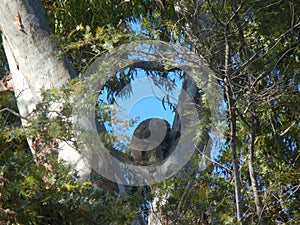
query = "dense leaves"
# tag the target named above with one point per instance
(49, 192)
(253, 48)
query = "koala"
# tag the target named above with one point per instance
(151, 141)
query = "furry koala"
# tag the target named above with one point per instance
(151, 141)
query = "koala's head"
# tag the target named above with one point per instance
(150, 141)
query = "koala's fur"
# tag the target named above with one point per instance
(151, 141)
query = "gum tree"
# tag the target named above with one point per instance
(253, 49)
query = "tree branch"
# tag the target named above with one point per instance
(14, 113)
(153, 66)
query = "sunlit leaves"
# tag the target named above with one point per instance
(264, 66)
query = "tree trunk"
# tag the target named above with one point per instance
(34, 64)
(236, 172)
(252, 174)
(232, 119)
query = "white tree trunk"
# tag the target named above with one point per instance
(34, 63)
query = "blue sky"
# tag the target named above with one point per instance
(144, 102)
